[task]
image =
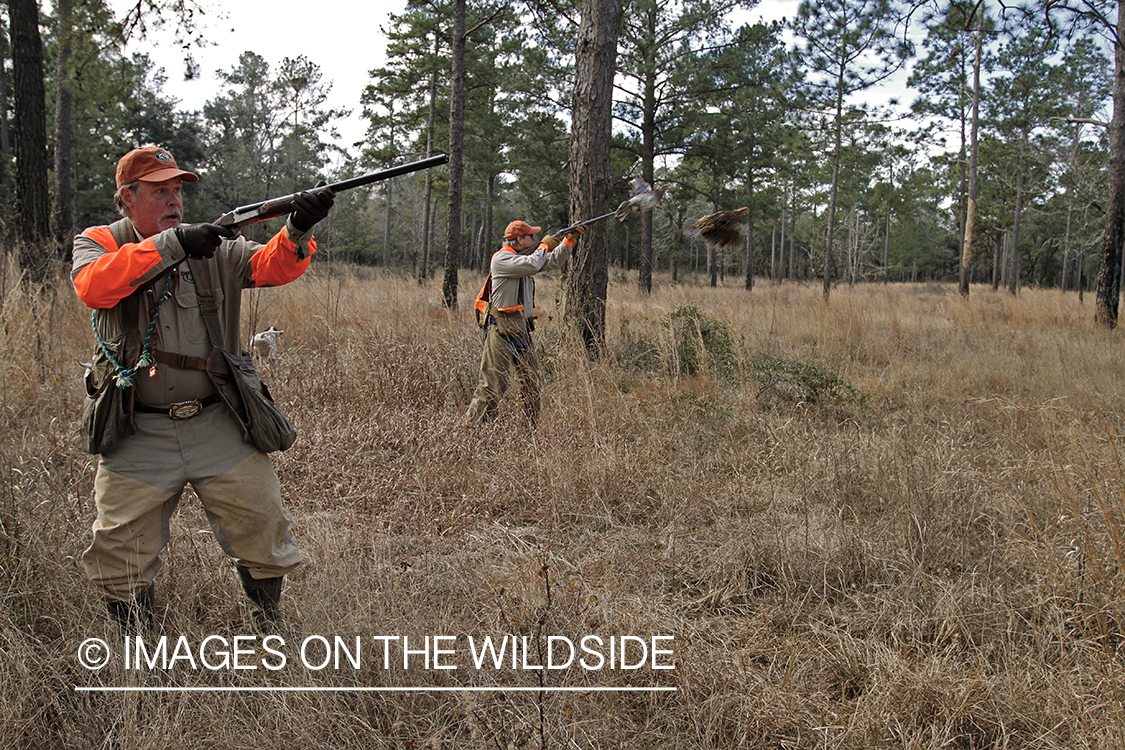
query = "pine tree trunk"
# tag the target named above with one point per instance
(1014, 259)
(591, 182)
(773, 252)
(967, 252)
(427, 230)
(489, 244)
(963, 156)
(5, 142)
(677, 246)
(456, 159)
(792, 232)
(887, 246)
(1109, 275)
(839, 127)
(32, 215)
(62, 212)
(648, 145)
(644, 278)
(1066, 243)
(387, 225)
(1081, 279)
(998, 259)
(750, 231)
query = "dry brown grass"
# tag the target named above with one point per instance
(892, 520)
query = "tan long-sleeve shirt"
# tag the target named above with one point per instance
(512, 275)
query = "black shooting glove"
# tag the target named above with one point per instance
(202, 240)
(310, 207)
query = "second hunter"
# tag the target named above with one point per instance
(506, 310)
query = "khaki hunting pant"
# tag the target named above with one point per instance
(501, 358)
(138, 485)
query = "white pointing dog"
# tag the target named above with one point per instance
(264, 344)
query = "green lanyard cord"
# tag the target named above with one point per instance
(122, 376)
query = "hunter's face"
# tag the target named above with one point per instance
(154, 206)
(526, 243)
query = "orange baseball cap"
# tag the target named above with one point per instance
(519, 228)
(151, 164)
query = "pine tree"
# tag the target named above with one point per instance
(661, 43)
(850, 45)
(1024, 97)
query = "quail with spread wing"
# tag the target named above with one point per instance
(719, 229)
(645, 197)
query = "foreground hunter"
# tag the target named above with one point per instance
(172, 398)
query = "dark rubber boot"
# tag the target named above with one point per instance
(265, 595)
(135, 617)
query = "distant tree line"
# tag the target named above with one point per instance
(1003, 169)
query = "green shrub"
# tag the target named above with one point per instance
(700, 343)
(794, 380)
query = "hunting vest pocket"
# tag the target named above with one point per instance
(262, 422)
(107, 413)
(193, 329)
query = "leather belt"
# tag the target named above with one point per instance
(180, 410)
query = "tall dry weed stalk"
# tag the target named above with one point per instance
(891, 520)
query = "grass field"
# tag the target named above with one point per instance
(893, 520)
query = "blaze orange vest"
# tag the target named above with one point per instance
(486, 294)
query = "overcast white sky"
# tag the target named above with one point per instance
(344, 41)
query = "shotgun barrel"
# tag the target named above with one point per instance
(274, 207)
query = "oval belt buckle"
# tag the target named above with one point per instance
(185, 409)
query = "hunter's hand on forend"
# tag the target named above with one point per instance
(202, 240)
(310, 207)
(573, 235)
